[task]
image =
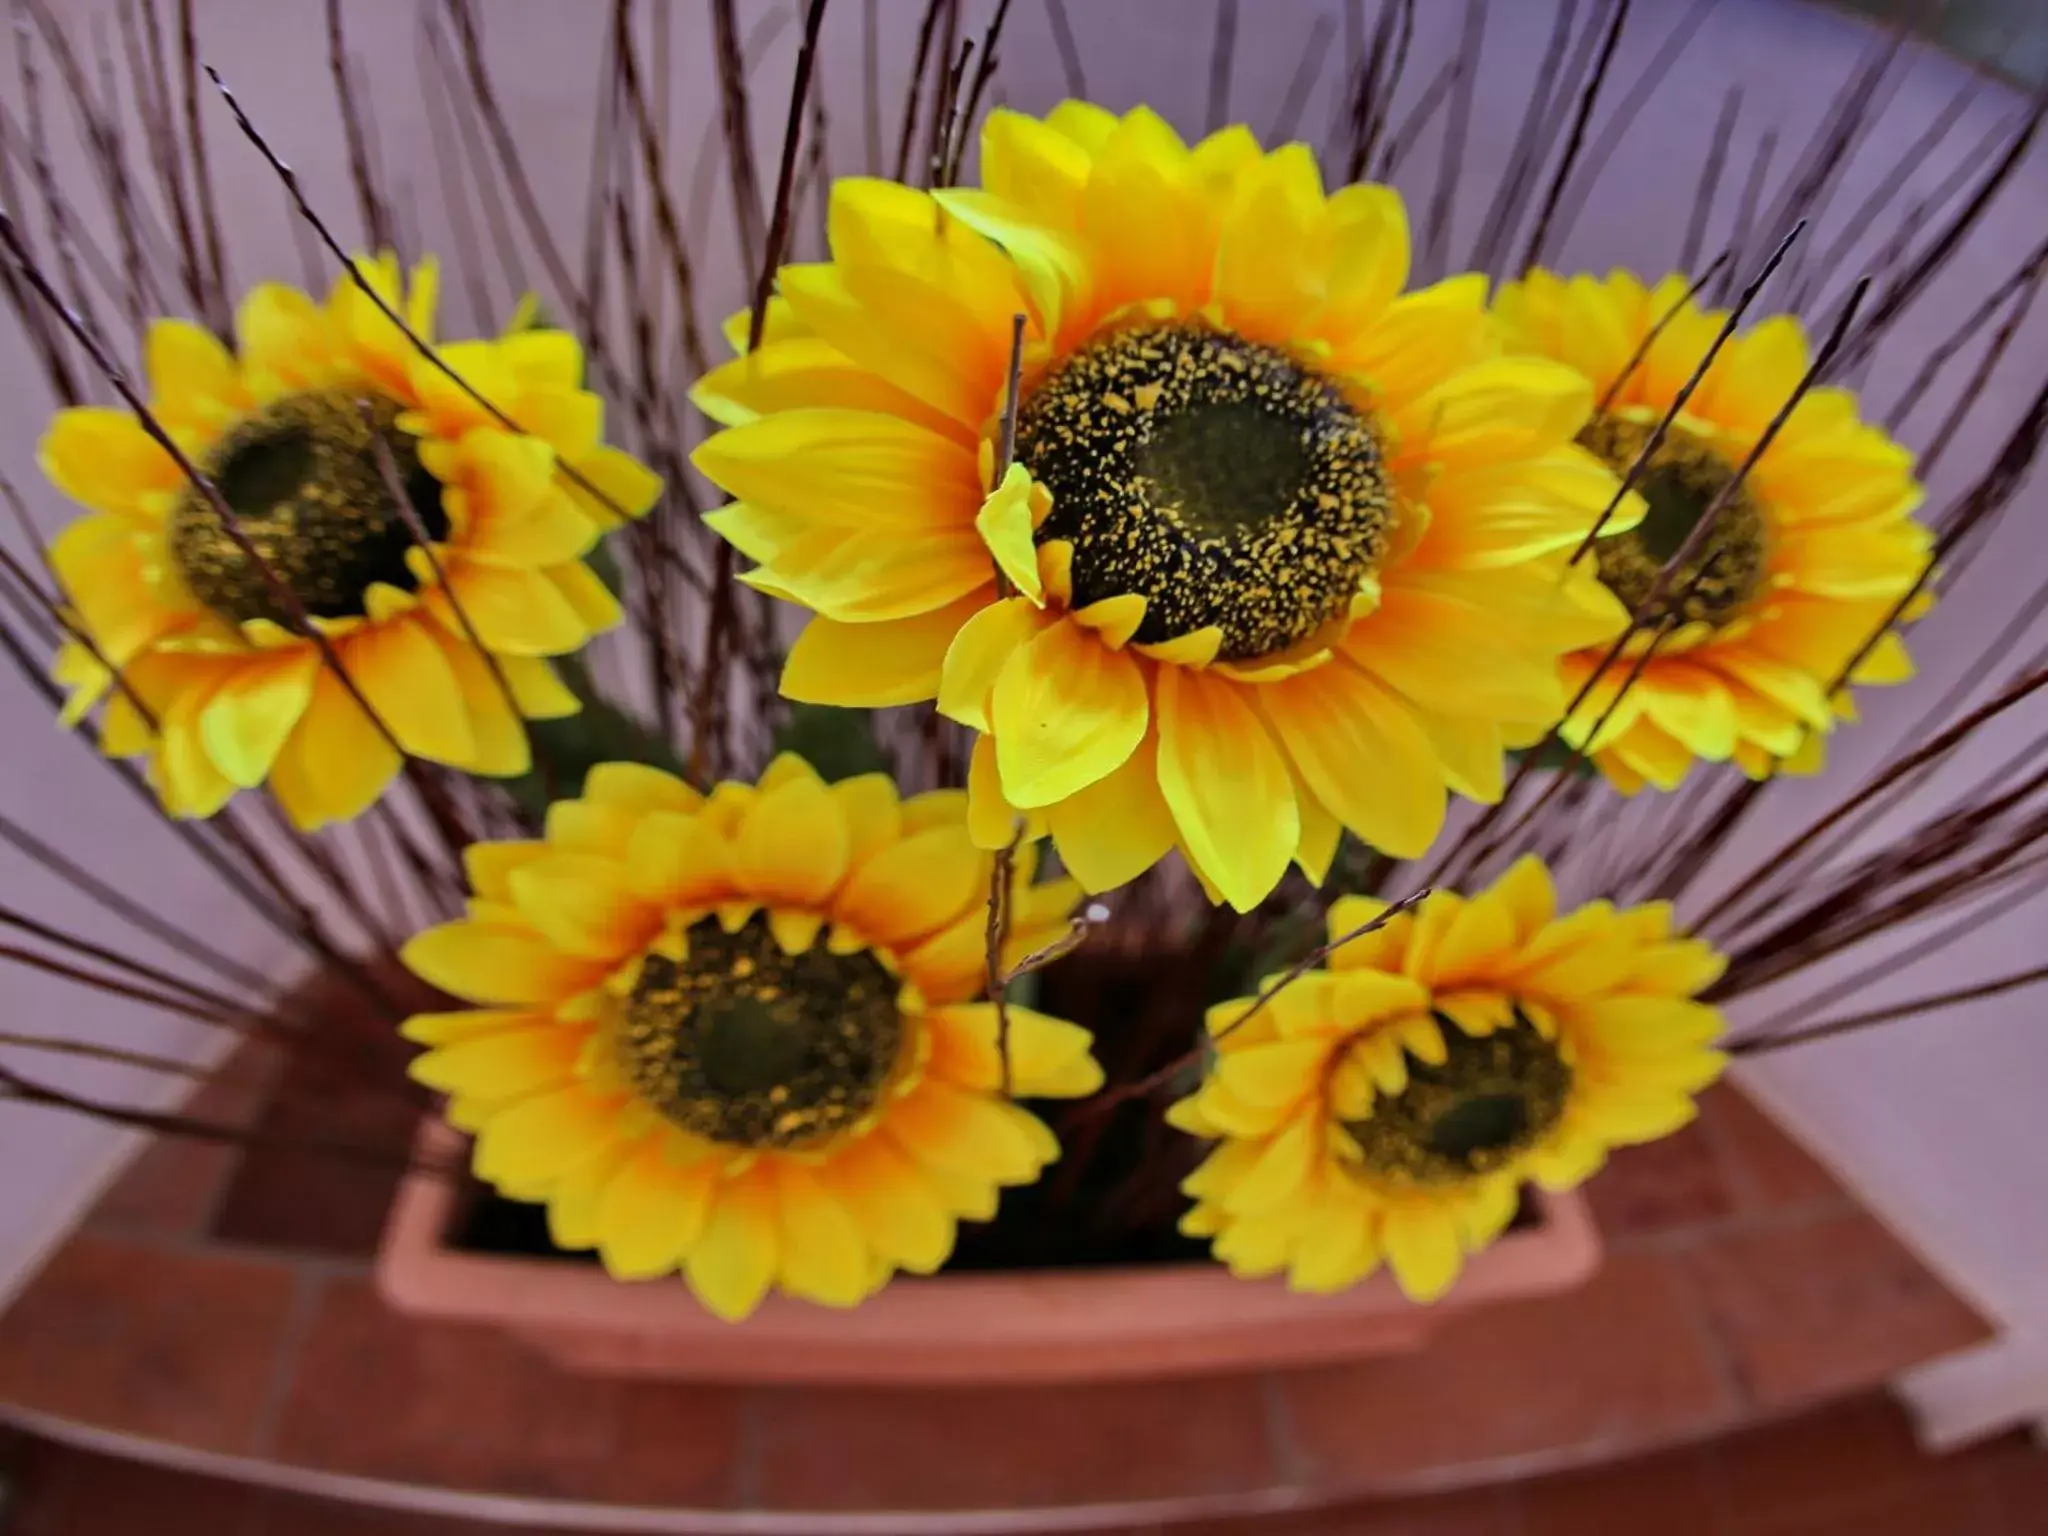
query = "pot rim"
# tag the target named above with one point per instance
(1021, 1325)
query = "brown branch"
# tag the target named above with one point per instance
(363, 285)
(1831, 1028)
(737, 125)
(785, 175)
(997, 934)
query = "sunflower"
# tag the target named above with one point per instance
(1282, 548)
(1813, 551)
(310, 430)
(736, 1035)
(1391, 1106)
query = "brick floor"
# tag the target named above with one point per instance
(1850, 1470)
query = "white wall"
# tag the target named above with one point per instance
(1935, 1122)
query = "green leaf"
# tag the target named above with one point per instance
(604, 565)
(530, 314)
(564, 751)
(1553, 754)
(839, 743)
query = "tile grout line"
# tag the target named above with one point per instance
(1743, 1404)
(1290, 1464)
(747, 1449)
(1677, 1239)
(309, 1287)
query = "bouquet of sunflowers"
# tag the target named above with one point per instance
(1118, 552)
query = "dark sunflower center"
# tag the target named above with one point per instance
(743, 1044)
(303, 479)
(1493, 1097)
(1215, 477)
(1680, 483)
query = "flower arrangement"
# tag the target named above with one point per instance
(1106, 551)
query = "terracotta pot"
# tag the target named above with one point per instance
(1165, 1320)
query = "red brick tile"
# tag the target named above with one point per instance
(1860, 1451)
(1824, 1308)
(2014, 1474)
(126, 1498)
(988, 1448)
(1619, 1362)
(1955, 1507)
(1767, 1170)
(283, 1514)
(451, 1405)
(341, 1135)
(1660, 1187)
(1481, 1512)
(178, 1346)
(174, 1184)
(1670, 1494)
(37, 1475)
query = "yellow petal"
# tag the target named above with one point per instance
(1269, 262)
(406, 679)
(102, 458)
(1361, 753)
(876, 665)
(734, 1258)
(679, 860)
(609, 484)
(582, 905)
(521, 612)
(821, 1255)
(992, 822)
(1066, 710)
(1280, 1073)
(1281, 1170)
(504, 1065)
(1119, 826)
(1227, 784)
(543, 1136)
(342, 762)
(637, 787)
(1049, 1058)
(845, 466)
(495, 962)
(976, 656)
(914, 887)
(495, 723)
(804, 372)
(536, 688)
(874, 815)
(650, 1212)
(897, 1211)
(1004, 523)
(1421, 1240)
(1368, 259)
(246, 723)
(1460, 651)
(573, 1202)
(192, 377)
(941, 1123)
(792, 844)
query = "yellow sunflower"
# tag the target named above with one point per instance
(1391, 1106)
(1283, 546)
(1809, 558)
(303, 429)
(736, 1035)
